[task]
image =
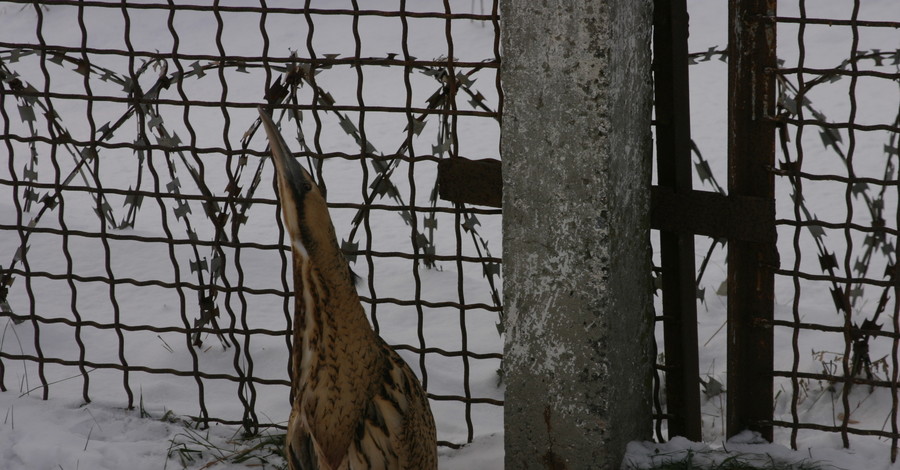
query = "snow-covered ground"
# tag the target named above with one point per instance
(748, 448)
(65, 433)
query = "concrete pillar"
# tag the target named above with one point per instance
(576, 149)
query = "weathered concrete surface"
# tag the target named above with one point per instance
(576, 172)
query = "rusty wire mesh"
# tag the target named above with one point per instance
(144, 255)
(837, 221)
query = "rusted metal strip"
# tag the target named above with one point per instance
(467, 181)
(712, 214)
(751, 156)
(694, 212)
(673, 149)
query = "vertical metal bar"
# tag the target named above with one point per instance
(452, 83)
(895, 320)
(285, 264)
(673, 150)
(243, 364)
(65, 236)
(751, 156)
(797, 184)
(411, 177)
(848, 232)
(6, 278)
(203, 417)
(23, 236)
(314, 102)
(895, 360)
(495, 22)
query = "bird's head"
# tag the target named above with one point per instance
(303, 206)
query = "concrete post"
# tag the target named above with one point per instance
(576, 149)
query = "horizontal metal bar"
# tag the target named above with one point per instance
(832, 378)
(238, 288)
(125, 236)
(283, 427)
(230, 331)
(835, 429)
(836, 178)
(227, 244)
(835, 125)
(835, 22)
(480, 401)
(181, 6)
(833, 329)
(837, 279)
(208, 376)
(216, 151)
(132, 368)
(137, 328)
(441, 352)
(143, 283)
(222, 199)
(250, 61)
(230, 422)
(847, 73)
(321, 107)
(712, 214)
(836, 226)
(425, 303)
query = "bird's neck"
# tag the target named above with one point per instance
(331, 328)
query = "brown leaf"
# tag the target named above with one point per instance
(840, 418)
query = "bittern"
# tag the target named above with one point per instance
(357, 404)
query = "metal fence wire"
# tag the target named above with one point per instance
(144, 260)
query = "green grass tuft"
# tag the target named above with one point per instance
(195, 448)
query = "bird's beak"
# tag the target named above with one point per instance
(290, 175)
(293, 181)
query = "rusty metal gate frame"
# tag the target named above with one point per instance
(762, 105)
(745, 217)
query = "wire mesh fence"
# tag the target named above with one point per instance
(837, 220)
(145, 259)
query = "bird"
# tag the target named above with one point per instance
(356, 403)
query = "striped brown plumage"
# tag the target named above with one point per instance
(357, 405)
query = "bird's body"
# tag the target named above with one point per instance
(357, 405)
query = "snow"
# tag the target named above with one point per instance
(64, 432)
(749, 448)
(68, 434)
